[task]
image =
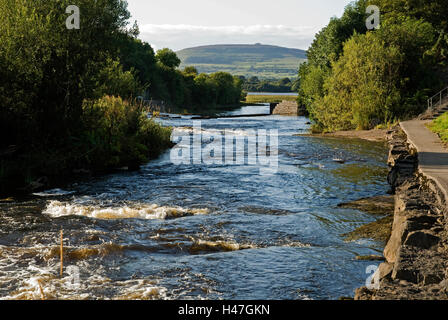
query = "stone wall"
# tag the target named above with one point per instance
(289, 108)
(416, 253)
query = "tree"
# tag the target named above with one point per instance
(379, 77)
(168, 58)
(113, 81)
(434, 12)
(46, 70)
(225, 83)
(327, 46)
(364, 87)
(254, 79)
(326, 49)
(190, 70)
(284, 82)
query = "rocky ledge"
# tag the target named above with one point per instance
(416, 254)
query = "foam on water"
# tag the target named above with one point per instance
(141, 289)
(50, 287)
(211, 132)
(41, 281)
(57, 209)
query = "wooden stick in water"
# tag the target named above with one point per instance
(62, 252)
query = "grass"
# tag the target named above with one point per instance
(269, 99)
(440, 126)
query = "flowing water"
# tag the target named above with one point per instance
(201, 231)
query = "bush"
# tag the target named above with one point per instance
(119, 133)
(112, 80)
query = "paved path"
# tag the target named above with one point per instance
(432, 156)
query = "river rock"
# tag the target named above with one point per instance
(374, 205)
(421, 239)
(398, 234)
(385, 270)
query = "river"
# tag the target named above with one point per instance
(194, 231)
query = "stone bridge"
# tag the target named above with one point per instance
(287, 108)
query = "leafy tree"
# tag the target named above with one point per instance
(139, 56)
(311, 90)
(113, 81)
(227, 92)
(434, 12)
(46, 70)
(376, 78)
(327, 46)
(326, 49)
(355, 79)
(363, 89)
(168, 58)
(190, 70)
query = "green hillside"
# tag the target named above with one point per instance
(262, 61)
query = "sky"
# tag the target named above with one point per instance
(179, 24)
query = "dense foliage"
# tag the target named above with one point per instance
(357, 79)
(254, 84)
(66, 95)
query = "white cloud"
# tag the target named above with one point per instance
(182, 36)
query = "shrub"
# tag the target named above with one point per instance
(119, 133)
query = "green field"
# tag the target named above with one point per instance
(262, 61)
(269, 98)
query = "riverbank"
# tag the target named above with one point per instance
(416, 253)
(113, 133)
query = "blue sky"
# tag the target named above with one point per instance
(179, 24)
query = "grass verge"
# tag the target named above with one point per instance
(440, 126)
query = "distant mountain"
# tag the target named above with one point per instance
(263, 61)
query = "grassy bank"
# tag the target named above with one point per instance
(269, 98)
(440, 126)
(115, 133)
